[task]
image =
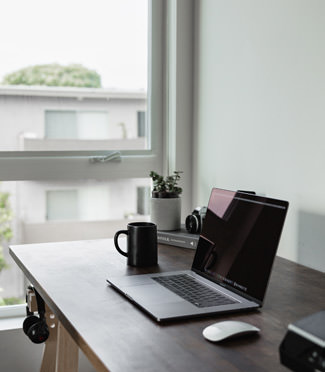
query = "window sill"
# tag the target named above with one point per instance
(7, 324)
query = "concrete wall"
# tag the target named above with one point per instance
(259, 110)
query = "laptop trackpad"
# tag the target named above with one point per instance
(151, 293)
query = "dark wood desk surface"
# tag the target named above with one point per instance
(117, 336)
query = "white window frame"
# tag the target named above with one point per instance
(39, 165)
(182, 21)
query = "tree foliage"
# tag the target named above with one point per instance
(5, 225)
(74, 75)
(5, 235)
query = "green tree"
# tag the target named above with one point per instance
(74, 75)
(5, 225)
(5, 230)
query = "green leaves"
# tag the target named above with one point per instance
(165, 188)
(5, 225)
(11, 301)
(3, 263)
(5, 236)
(74, 75)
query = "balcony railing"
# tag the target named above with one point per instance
(37, 144)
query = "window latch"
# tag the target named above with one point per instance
(113, 156)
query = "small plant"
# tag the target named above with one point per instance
(166, 187)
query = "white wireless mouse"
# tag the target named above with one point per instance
(229, 328)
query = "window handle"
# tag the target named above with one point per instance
(113, 156)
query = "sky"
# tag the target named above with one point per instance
(108, 36)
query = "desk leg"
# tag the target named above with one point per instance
(67, 353)
(60, 351)
(50, 348)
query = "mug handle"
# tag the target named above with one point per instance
(116, 241)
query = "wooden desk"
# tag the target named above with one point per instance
(117, 336)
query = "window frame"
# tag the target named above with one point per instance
(39, 165)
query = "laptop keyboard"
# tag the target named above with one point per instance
(192, 291)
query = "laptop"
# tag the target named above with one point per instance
(231, 267)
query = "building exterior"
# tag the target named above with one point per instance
(70, 119)
(61, 118)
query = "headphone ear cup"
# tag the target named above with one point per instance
(38, 332)
(28, 322)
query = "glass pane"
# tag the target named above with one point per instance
(93, 125)
(143, 200)
(60, 124)
(71, 87)
(141, 124)
(62, 211)
(62, 205)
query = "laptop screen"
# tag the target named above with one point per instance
(239, 241)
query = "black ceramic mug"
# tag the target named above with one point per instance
(141, 243)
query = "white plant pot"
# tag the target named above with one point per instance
(166, 213)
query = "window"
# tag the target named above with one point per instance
(25, 109)
(143, 200)
(48, 211)
(56, 138)
(76, 124)
(62, 205)
(141, 123)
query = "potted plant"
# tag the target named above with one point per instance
(166, 201)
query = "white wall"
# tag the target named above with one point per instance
(18, 353)
(260, 110)
(120, 201)
(24, 114)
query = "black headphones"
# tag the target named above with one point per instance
(35, 327)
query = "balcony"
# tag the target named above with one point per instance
(42, 144)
